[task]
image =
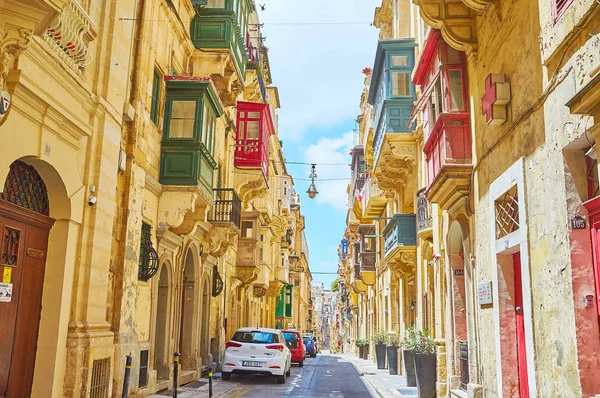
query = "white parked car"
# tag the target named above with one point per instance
(257, 350)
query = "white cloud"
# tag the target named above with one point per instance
(328, 265)
(332, 151)
(318, 67)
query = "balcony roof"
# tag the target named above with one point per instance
(384, 46)
(427, 54)
(200, 83)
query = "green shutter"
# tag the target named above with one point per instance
(155, 97)
(279, 304)
(288, 305)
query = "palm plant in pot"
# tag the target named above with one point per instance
(408, 344)
(392, 353)
(380, 341)
(423, 348)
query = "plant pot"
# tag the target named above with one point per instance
(360, 352)
(392, 356)
(409, 368)
(380, 354)
(425, 370)
(365, 354)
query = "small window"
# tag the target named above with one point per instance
(400, 83)
(247, 229)
(183, 119)
(143, 379)
(559, 7)
(155, 97)
(399, 60)
(369, 244)
(453, 56)
(455, 85)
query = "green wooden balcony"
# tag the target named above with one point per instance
(400, 234)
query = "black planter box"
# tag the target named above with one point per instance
(409, 367)
(365, 354)
(392, 355)
(380, 353)
(425, 370)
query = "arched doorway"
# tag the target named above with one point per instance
(188, 300)
(458, 283)
(161, 338)
(24, 229)
(205, 325)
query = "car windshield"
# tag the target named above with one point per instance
(291, 339)
(307, 340)
(254, 337)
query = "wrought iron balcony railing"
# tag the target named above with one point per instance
(423, 211)
(227, 207)
(69, 35)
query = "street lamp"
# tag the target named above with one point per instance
(312, 189)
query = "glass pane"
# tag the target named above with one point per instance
(369, 244)
(400, 83)
(456, 93)
(183, 116)
(254, 115)
(399, 60)
(253, 130)
(247, 229)
(215, 4)
(453, 56)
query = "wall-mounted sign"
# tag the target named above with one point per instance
(578, 222)
(6, 292)
(459, 272)
(6, 275)
(497, 95)
(344, 246)
(484, 291)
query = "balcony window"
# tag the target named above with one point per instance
(456, 90)
(155, 97)
(400, 84)
(247, 227)
(400, 69)
(254, 127)
(191, 111)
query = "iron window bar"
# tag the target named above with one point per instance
(148, 264)
(218, 284)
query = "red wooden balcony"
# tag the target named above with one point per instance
(449, 161)
(254, 128)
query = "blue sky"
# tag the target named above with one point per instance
(318, 70)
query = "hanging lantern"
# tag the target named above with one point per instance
(312, 189)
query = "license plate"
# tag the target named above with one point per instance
(253, 364)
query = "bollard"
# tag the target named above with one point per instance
(211, 368)
(125, 392)
(175, 373)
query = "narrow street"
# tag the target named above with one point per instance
(324, 376)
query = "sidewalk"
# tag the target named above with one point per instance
(387, 385)
(199, 389)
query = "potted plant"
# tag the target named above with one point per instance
(380, 340)
(425, 364)
(362, 347)
(408, 345)
(392, 353)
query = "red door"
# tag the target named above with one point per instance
(23, 244)
(520, 318)
(596, 256)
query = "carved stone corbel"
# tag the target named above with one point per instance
(454, 19)
(220, 239)
(274, 288)
(259, 291)
(384, 20)
(405, 265)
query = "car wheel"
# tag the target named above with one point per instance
(281, 379)
(314, 355)
(225, 375)
(301, 363)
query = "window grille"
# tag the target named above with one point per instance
(100, 378)
(507, 213)
(217, 286)
(143, 380)
(148, 264)
(25, 187)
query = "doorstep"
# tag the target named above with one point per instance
(458, 394)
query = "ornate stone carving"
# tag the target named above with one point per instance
(220, 239)
(246, 275)
(274, 288)
(454, 19)
(405, 264)
(384, 20)
(259, 291)
(253, 189)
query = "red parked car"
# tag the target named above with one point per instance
(293, 340)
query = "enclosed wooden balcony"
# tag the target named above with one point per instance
(392, 95)
(399, 235)
(374, 201)
(248, 250)
(449, 160)
(219, 32)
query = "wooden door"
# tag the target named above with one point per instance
(520, 318)
(23, 245)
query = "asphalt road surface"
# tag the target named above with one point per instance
(323, 376)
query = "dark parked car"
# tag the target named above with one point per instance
(309, 344)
